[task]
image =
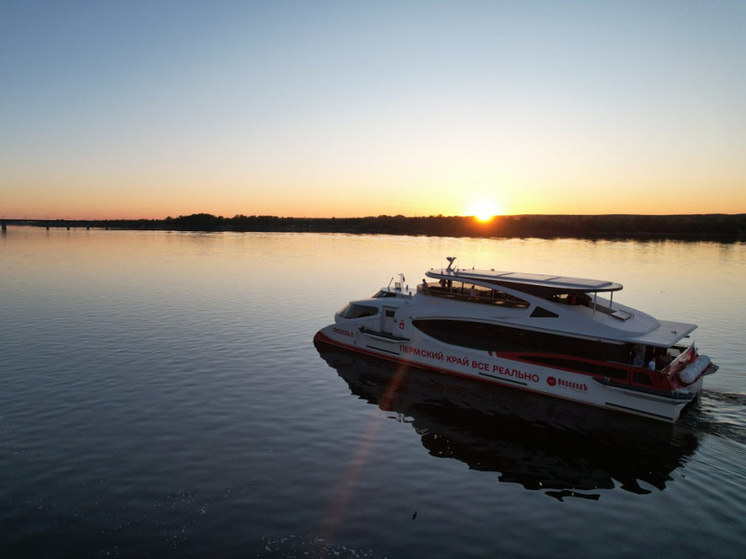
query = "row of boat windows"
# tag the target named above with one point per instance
(583, 366)
(493, 337)
(360, 311)
(541, 348)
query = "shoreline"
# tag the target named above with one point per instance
(693, 227)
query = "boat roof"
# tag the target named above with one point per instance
(624, 324)
(527, 281)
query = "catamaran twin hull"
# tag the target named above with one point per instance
(546, 334)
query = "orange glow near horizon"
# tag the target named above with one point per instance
(138, 195)
(484, 209)
(339, 204)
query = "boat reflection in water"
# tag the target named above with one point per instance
(565, 448)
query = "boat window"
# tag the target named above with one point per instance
(540, 312)
(578, 365)
(383, 293)
(494, 337)
(642, 378)
(357, 311)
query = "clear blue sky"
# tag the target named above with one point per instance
(156, 108)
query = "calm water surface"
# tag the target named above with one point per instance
(160, 395)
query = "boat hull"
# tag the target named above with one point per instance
(486, 366)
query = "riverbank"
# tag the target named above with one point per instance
(721, 227)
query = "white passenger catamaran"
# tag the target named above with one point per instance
(548, 334)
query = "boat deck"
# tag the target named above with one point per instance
(474, 295)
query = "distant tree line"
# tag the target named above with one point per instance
(723, 227)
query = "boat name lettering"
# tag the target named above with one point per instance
(458, 360)
(343, 332)
(436, 355)
(480, 365)
(516, 373)
(579, 386)
(474, 364)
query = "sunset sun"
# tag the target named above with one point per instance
(484, 209)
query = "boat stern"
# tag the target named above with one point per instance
(687, 370)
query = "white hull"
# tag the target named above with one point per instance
(488, 367)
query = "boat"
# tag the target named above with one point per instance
(560, 336)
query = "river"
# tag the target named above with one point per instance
(161, 396)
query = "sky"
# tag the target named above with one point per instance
(148, 109)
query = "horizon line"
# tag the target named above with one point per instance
(400, 216)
